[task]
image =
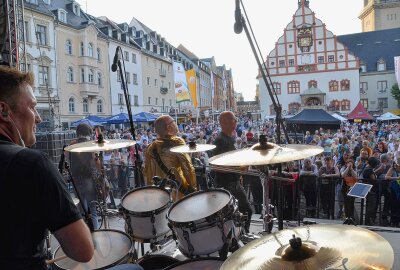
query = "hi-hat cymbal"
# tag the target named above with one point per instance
(95, 146)
(323, 247)
(264, 155)
(192, 149)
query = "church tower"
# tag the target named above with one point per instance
(380, 15)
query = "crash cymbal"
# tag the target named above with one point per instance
(192, 148)
(95, 146)
(265, 154)
(322, 247)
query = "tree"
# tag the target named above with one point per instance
(395, 91)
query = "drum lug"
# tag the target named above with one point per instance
(153, 220)
(193, 227)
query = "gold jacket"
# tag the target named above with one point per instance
(180, 161)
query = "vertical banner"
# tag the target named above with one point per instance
(397, 68)
(181, 88)
(212, 86)
(191, 79)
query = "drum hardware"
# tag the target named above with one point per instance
(192, 147)
(315, 247)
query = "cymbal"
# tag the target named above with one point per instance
(192, 149)
(263, 155)
(323, 247)
(95, 146)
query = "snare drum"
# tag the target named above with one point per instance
(202, 221)
(111, 248)
(198, 264)
(145, 211)
(156, 262)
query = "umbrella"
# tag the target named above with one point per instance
(117, 119)
(85, 121)
(339, 117)
(144, 117)
(96, 118)
(388, 116)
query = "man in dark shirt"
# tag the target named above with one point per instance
(230, 181)
(369, 177)
(31, 187)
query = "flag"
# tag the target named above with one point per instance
(191, 79)
(397, 68)
(181, 87)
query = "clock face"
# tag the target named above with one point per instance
(305, 42)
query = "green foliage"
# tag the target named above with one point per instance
(395, 91)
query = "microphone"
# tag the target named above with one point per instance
(62, 160)
(114, 65)
(238, 26)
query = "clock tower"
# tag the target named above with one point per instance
(380, 15)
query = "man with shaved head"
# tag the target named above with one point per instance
(161, 162)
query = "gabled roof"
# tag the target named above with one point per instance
(370, 47)
(186, 52)
(313, 117)
(359, 112)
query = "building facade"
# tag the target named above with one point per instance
(380, 14)
(310, 68)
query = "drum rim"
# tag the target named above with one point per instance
(217, 213)
(110, 265)
(145, 213)
(193, 260)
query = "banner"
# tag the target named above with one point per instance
(191, 79)
(181, 88)
(212, 85)
(397, 68)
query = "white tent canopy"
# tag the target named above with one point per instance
(388, 116)
(339, 117)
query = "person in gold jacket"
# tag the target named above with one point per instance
(157, 154)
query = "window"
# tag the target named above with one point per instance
(82, 75)
(41, 34)
(169, 85)
(156, 103)
(381, 65)
(85, 105)
(134, 78)
(382, 103)
(128, 77)
(363, 68)
(364, 102)
(345, 85)
(148, 80)
(62, 16)
(70, 75)
(135, 100)
(363, 88)
(68, 47)
(345, 105)
(321, 59)
(293, 87)
(99, 79)
(99, 106)
(382, 86)
(291, 62)
(71, 104)
(331, 58)
(333, 86)
(334, 105)
(90, 50)
(91, 76)
(277, 87)
(82, 49)
(120, 99)
(294, 107)
(98, 54)
(170, 102)
(155, 82)
(281, 63)
(312, 83)
(27, 32)
(149, 100)
(126, 56)
(43, 75)
(133, 58)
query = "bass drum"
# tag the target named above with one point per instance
(156, 262)
(198, 264)
(111, 248)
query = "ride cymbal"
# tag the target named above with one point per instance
(270, 153)
(188, 148)
(95, 146)
(321, 247)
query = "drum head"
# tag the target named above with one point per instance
(198, 264)
(156, 262)
(111, 248)
(145, 199)
(199, 205)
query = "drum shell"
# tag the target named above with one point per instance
(156, 262)
(142, 224)
(198, 264)
(205, 235)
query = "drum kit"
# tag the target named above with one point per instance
(204, 223)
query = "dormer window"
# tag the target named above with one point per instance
(363, 67)
(48, 2)
(381, 65)
(62, 15)
(76, 9)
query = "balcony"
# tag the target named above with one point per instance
(163, 90)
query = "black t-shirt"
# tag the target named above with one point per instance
(33, 199)
(224, 144)
(367, 176)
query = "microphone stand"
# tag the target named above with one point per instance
(138, 161)
(272, 93)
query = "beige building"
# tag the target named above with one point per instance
(380, 15)
(82, 66)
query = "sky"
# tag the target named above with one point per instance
(205, 27)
